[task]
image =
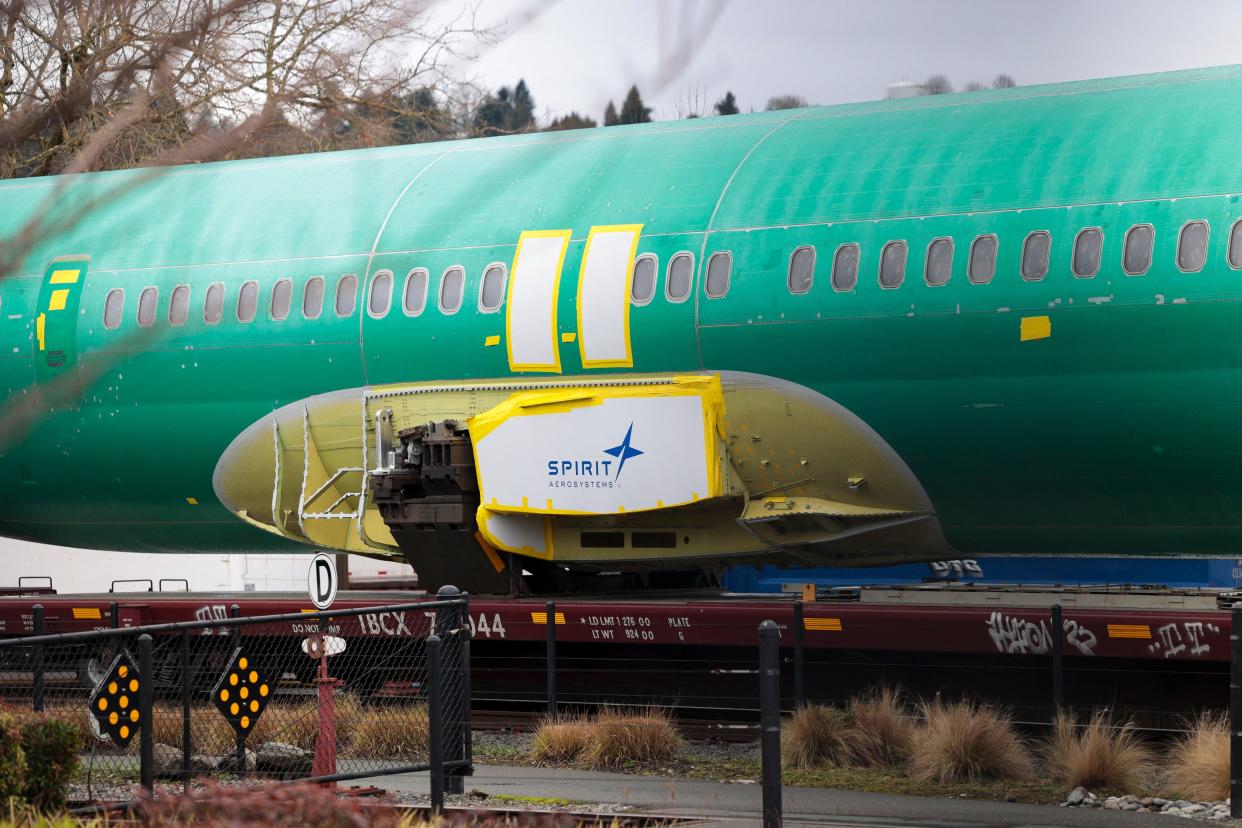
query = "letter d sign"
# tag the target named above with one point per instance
(321, 581)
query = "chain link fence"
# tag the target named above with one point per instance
(327, 696)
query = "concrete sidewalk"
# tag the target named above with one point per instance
(739, 804)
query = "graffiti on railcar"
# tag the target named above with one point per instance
(1015, 634)
(1190, 637)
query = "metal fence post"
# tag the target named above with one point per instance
(240, 750)
(146, 694)
(453, 628)
(37, 659)
(551, 607)
(1058, 661)
(114, 615)
(1235, 712)
(186, 739)
(467, 701)
(770, 721)
(435, 723)
(799, 639)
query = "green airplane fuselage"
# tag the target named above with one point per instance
(1060, 415)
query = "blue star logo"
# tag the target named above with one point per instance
(624, 451)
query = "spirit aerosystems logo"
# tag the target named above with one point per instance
(588, 473)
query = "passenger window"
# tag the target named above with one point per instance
(1136, 258)
(893, 264)
(213, 307)
(680, 275)
(146, 306)
(939, 265)
(492, 291)
(845, 267)
(1035, 253)
(1192, 246)
(982, 265)
(282, 299)
(1087, 248)
(719, 267)
(802, 269)
(179, 305)
(415, 297)
(346, 295)
(452, 283)
(114, 309)
(381, 295)
(248, 302)
(1235, 245)
(643, 286)
(312, 298)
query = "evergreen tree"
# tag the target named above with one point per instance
(632, 109)
(727, 105)
(610, 115)
(523, 108)
(571, 121)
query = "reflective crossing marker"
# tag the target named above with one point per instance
(242, 693)
(114, 703)
(321, 581)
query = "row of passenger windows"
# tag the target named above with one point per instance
(1137, 250)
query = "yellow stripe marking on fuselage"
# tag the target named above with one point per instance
(64, 277)
(40, 326)
(58, 300)
(1035, 327)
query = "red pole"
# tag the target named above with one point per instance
(324, 763)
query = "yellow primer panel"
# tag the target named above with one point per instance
(64, 277)
(1036, 327)
(58, 300)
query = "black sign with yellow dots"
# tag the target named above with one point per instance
(115, 701)
(242, 693)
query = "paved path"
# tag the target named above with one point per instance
(735, 804)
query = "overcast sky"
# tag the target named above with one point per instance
(578, 54)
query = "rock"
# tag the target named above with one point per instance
(166, 761)
(1193, 809)
(1076, 796)
(228, 762)
(283, 759)
(1171, 810)
(1128, 798)
(1147, 801)
(1158, 802)
(1143, 809)
(1111, 804)
(202, 763)
(1131, 806)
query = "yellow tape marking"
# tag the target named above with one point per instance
(569, 337)
(87, 613)
(1129, 631)
(823, 624)
(193, 501)
(40, 323)
(58, 300)
(491, 340)
(1036, 327)
(542, 618)
(64, 277)
(493, 556)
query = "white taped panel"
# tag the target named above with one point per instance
(530, 312)
(604, 296)
(596, 455)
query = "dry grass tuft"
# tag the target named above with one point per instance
(1199, 765)
(619, 738)
(816, 736)
(1099, 754)
(390, 732)
(564, 739)
(881, 732)
(968, 742)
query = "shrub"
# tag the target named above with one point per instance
(816, 736)
(396, 732)
(968, 742)
(12, 759)
(619, 738)
(1199, 765)
(881, 734)
(561, 740)
(1097, 755)
(265, 805)
(51, 748)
